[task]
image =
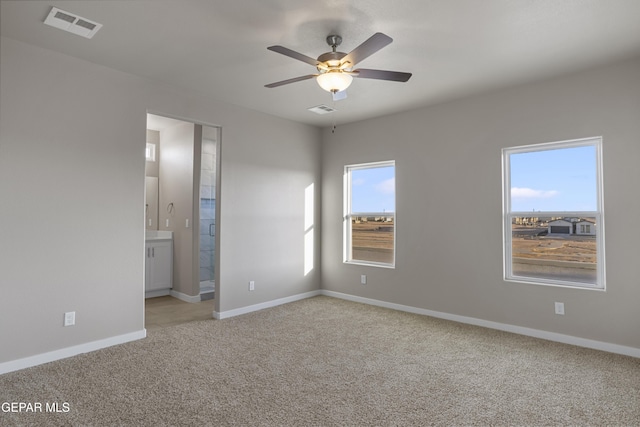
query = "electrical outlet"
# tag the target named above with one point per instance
(252, 285)
(559, 308)
(363, 279)
(70, 318)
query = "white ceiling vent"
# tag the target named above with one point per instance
(72, 23)
(321, 109)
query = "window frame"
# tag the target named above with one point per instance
(508, 215)
(348, 214)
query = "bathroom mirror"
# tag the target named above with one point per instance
(151, 203)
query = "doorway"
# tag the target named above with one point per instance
(182, 200)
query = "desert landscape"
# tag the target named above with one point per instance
(563, 257)
(535, 253)
(372, 240)
(527, 244)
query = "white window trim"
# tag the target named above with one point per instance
(346, 217)
(508, 215)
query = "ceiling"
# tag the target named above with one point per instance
(454, 48)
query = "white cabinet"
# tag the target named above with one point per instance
(158, 267)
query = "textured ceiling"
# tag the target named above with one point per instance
(453, 48)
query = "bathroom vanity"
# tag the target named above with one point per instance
(158, 263)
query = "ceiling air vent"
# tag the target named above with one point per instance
(72, 23)
(321, 109)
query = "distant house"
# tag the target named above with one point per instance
(585, 227)
(526, 220)
(577, 226)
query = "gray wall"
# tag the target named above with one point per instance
(448, 186)
(176, 188)
(263, 200)
(72, 171)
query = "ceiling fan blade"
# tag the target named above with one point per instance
(295, 55)
(395, 76)
(367, 48)
(293, 80)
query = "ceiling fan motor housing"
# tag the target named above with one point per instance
(332, 59)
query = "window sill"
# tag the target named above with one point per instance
(559, 284)
(370, 264)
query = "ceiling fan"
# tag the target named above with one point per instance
(335, 69)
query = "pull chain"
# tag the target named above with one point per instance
(333, 129)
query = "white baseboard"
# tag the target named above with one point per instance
(158, 293)
(536, 333)
(51, 356)
(185, 297)
(262, 306)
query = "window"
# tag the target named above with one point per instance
(553, 219)
(369, 221)
(150, 152)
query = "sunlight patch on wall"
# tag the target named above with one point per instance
(308, 228)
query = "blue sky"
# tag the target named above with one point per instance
(554, 180)
(373, 189)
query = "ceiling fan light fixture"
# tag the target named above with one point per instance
(334, 81)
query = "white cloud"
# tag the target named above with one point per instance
(358, 181)
(387, 186)
(530, 193)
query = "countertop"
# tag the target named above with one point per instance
(153, 235)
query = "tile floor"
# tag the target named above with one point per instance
(166, 311)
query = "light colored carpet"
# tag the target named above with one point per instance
(326, 362)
